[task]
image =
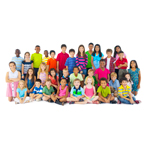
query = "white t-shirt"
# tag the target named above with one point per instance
(108, 63)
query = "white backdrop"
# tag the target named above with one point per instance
(49, 24)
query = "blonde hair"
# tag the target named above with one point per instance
(77, 80)
(65, 69)
(89, 78)
(40, 70)
(90, 70)
(113, 74)
(48, 80)
(22, 81)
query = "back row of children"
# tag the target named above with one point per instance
(79, 77)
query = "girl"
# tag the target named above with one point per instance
(43, 73)
(21, 93)
(30, 80)
(96, 57)
(117, 49)
(26, 64)
(82, 60)
(135, 76)
(12, 79)
(90, 92)
(54, 79)
(128, 77)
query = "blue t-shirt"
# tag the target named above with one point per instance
(18, 61)
(97, 57)
(21, 92)
(71, 63)
(77, 92)
(115, 85)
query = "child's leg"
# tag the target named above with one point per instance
(53, 97)
(81, 101)
(27, 99)
(112, 98)
(16, 100)
(31, 96)
(63, 100)
(100, 99)
(124, 100)
(135, 93)
(10, 99)
(38, 97)
(95, 98)
(71, 99)
(45, 98)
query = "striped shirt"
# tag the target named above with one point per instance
(37, 90)
(18, 61)
(124, 92)
(81, 62)
(27, 65)
(43, 77)
(45, 59)
(71, 63)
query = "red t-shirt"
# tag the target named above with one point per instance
(62, 59)
(123, 61)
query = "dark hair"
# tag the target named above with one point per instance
(79, 53)
(46, 50)
(33, 75)
(12, 62)
(63, 45)
(38, 80)
(100, 54)
(52, 51)
(71, 50)
(109, 50)
(103, 79)
(134, 62)
(63, 79)
(18, 50)
(52, 69)
(127, 73)
(123, 79)
(75, 67)
(120, 52)
(90, 44)
(37, 46)
(115, 52)
(25, 54)
(102, 60)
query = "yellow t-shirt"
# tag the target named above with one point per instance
(45, 59)
(124, 92)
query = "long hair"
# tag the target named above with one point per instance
(134, 62)
(79, 53)
(33, 75)
(89, 78)
(115, 52)
(127, 73)
(21, 81)
(100, 54)
(40, 70)
(52, 69)
(25, 54)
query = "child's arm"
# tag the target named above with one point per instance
(77, 64)
(57, 66)
(58, 89)
(82, 83)
(108, 77)
(97, 78)
(99, 94)
(84, 91)
(34, 84)
(48, 67)
(124, 97)
(139, 80)
(66, 67)
(92, 63)
(94, 91)
(7, 78)
(22, 70)
(16, 79)
(71, 95)
(46, 95)
(24, 96)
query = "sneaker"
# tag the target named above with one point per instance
(113, 102)
(137, 101)
(119, 102)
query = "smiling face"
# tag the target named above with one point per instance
(113, 78)
(89, 81)
(63, 49)
(48, 83)
(21, 84)
(133, 64)
(76, 70)
(103, 84)
(102, 64)
(17, 52)
(63, 82)
(12, 66)
(65, 73)
(37, 84)
(90, 47)
(30, 72)
(91, 73)
(97, 49)
(127, 76)
(43, 67)
(72, 54)
(37, 49)
(52, 55)
(124, 83)
(77, 84)
(118, 49)
(109, 54)
(81, 50)
(46, 53)
(121, 55)
(53, 73)
(27, 56)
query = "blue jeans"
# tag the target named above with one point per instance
(124, 100)
(84, 71)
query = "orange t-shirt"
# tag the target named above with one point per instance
(52, 63)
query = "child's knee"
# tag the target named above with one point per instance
(10, 99)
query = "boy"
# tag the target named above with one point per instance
(52, 63)
(124, 93)
(61, 59)
(76, 75)
(18, 60)
(37, 59)
(71, 61)
(37, 91)
(104, 92)
(77, 94)
(45, 59)
(122, 64)
(109, 61)
(48, 91)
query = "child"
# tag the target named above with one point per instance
(30, 81)
(135, 76)
(37, 92)
(109, 61)
(21, 93)
(52, 63)
(54, 79)
(89, 90)
(104, 92)
(26, 64)
(48, 91)
(82, 60)
(77, 94)
(102, 72)
(122, 65)
(18, 60)
(43, 73)
(124, 93)
(12, 79)
(76, 75)
(129, 81)
(61, 59)
(71, 61)
(45, 59)
(96, 57)
(37, 59)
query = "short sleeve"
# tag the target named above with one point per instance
(25, 89)
(71, 91)
(32, 57)
(66, 63)
(82, 91)
(31, 61)
(96, 71)
(110, 84)
(58, 57)
(44, 90)
(52, 89)
(120, 91)
(22, 62)
(18, 90)
(99, 89)
(109, 91)
(118, 84)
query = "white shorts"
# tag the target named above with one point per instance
(26, 99)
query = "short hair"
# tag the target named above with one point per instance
(63, 45)
(109, 50)
(18, 50)
(113, 74)
(46, 50)
(75, 67)
(71, 50)
(102, 60)
(37, 46)
(48, 80)
(63, 79)
(103, 79)
(123, 79)
(12, 62)
(120, 52)
(89, 78)
(52, 51)
(90, 70)
(65, 69)
(76, 80)
(38, 80)
(90, 44)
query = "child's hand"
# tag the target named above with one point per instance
(21, 100)
(131, 101)
(81, 72)
(22, 77)
(138, 86)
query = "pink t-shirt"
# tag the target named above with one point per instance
(102, 74)
(117, 57)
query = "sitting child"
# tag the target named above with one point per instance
(37, 92)
(89, 90)
(104, 92)
(21, 93)
(77, 93)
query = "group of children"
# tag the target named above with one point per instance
(87, 77)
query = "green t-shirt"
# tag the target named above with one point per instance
(104, 92)
(73, 77)
(37, 59)
(95, 81)
(48, 91)
(89, 65)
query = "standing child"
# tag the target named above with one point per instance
(37, 59)
(122, 65)
(135, 76)
(82, 60)
(90, 92)
(46, 57)
(26, 64)
(43, 73)
(61, 59)
(18, 60)
(71, 61)
(77, 94)
(12, 79)
(21, 93)
(102, 72)
(30, 80)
